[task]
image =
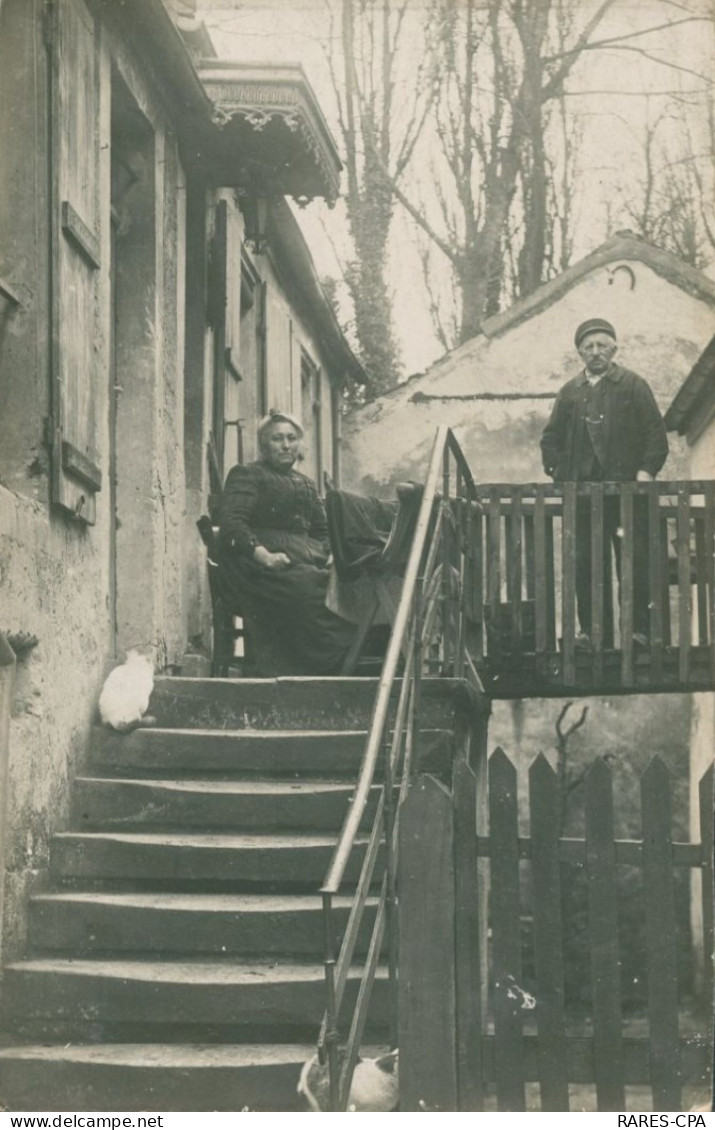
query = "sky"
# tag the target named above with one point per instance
(614, 92)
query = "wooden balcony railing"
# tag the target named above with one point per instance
(529, 570)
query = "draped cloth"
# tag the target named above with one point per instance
(359, 528)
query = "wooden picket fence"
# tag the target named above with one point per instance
(529, 1035)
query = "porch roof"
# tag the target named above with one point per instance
(268, 130)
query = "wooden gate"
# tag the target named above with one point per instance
(533, 1034)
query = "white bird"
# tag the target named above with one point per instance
(375, 1084)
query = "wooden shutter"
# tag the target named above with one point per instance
(217, 320)
(224, 317)
(79, 337)
(279, 340)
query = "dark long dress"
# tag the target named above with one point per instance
(282, 511)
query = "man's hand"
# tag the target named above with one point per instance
(644, 477)
(276, 562)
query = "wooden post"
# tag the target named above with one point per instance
(603, 937)
(684, 594)
(598, 614)
(550, 584)
(661, 932)
(627, 585)
(541, 583)
(657, 583)
(705, 796)
(7, 684)
(469, 790)
(509, 996)
(514, 539)
(494, 570)
(710, 564)
(427, 1014)
(568, 584)
(548, 935)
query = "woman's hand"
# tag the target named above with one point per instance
(276, 562)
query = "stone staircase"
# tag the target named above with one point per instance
(175, 963)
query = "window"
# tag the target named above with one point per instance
(311, 411)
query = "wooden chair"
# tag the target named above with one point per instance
(380, 567)
(226, 631)
(258, 654)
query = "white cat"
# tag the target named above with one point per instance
(375, 1084)
(125, 695)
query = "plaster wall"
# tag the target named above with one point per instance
(52, 584)
(662, 330)
(702, 454)
(55, 573)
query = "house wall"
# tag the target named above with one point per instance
(661, 331)
(56, 573)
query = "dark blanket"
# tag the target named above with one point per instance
(358, 530)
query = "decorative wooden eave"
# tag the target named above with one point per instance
(269, 135)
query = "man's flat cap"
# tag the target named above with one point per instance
(593, 325)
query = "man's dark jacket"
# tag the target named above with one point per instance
(634, 437)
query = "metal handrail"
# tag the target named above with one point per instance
(338, 862)
(428, 586)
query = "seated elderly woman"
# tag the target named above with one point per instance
(273, 556)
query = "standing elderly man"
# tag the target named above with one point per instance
(605, 426)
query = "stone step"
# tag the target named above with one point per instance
(153, 1077)
(186, 858)
(212, 999)
(290, 703)
(283, 753)
(96, 922)
(269, 753)
(104, 803)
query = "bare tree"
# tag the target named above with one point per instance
(498, 66)
(504, 164)
(567, 782)
(379, 133)
(670, 202)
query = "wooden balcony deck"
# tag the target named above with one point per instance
(527, 580)
(529, 676)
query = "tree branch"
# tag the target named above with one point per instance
(557, 80)
(613, 39)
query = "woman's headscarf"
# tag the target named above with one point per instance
(276, 417)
